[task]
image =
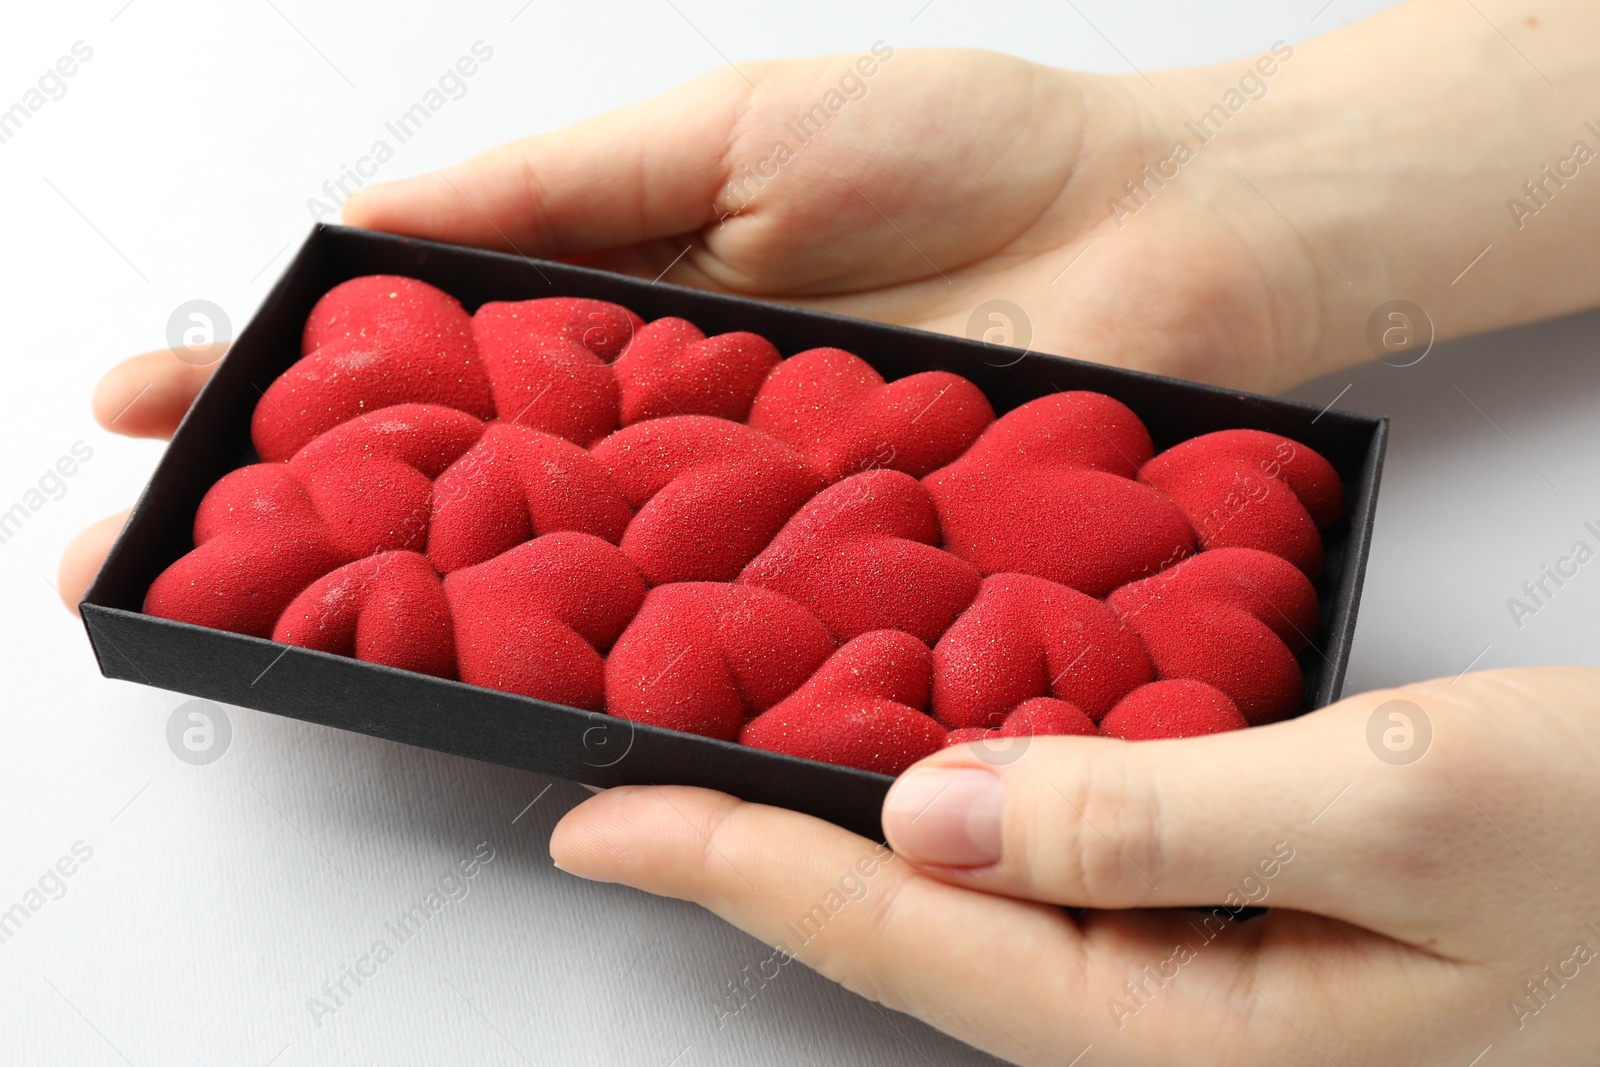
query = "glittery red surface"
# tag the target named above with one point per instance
(1178, 707)
(865, 707)
(554, 498)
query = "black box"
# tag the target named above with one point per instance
(565, 742)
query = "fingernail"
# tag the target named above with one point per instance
(946, 817)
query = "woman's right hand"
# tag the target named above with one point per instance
(939, 182)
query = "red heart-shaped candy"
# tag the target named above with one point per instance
(862, 556)
(535, 620)
(545, 381)
(711, 494)
(1232, 618)
(1039, 717)
(1048, 491)
(1249, 489)
(671, 368)
(1024, 637)
(369, 343)
(603, 328)
(1178, 708)
(705, 656)
(862, 708)
(389, 608)
(835, 408)
(515, 484)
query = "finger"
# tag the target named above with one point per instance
(646, 171)
(148, 395)
(847, 908)
(1020, 980)
(83, 556)
(1229, 819)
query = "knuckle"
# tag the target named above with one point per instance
(1098, 843)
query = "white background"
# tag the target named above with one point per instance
(219, 898)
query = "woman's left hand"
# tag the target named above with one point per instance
(1429, 855)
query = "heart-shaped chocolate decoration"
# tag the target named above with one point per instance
(1177, 708)
(603, 328)
(862, 556)
(705, 656)
(1024, 637)
(671, 368)
(711, 494)
(863, 708)
(1039, 717)
(389, 608)
(1048, 491)
(371, 479)
(537, 619)
(1249, 489)
(832, 406)
(258, 542)
(370, 343)
(545, 381)
(515, 484)
(1232, 618)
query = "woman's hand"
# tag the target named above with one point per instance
(1413, 903)
(1241, 224)
(941, 181)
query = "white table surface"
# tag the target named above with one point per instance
(218, 898)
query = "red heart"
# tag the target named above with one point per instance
(1048, 491)
(1232, 618)
(535, 620)
(265, 532)
(704, 656)
(1249, 489)
(1172, 709)
(835, 408)
(388, 608)
(369, 343)
(515, 484)
(258, 542)
(545, 381)
(1076, 430)
(1024, 637)
(863, 708)
(862, 556)
(603, 328)
(671, 368)
(371, 479)
(1047, 717)
(711, 494)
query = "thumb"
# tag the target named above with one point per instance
(647, 171)
(1297, 811)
